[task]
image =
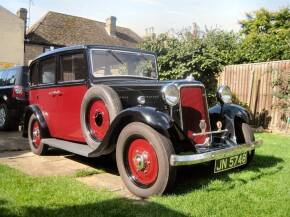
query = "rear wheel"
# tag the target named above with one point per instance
(143, 160)
(35, 137)
(4, 117)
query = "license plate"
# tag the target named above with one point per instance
(230, 162)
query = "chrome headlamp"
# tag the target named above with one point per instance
(170, 94)
(224, 94)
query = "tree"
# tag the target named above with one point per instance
(265, 36)
(183, 54)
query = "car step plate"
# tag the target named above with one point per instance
(230, 162)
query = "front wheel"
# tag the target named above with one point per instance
(34, 137)
(249, 138)
(143, 160)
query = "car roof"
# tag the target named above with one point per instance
(79, 47)
(15, 67)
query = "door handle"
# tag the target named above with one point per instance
(55, 93)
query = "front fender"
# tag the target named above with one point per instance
(158, 120)
(34, 109)
(231, 115)
(231, 110)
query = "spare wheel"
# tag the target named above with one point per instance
(100, 106)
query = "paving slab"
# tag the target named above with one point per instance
(12, 141)
(63, 164)
(35, 165)
(108, 181)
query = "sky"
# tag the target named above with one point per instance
(161, 14)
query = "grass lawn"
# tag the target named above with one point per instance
(263, 189)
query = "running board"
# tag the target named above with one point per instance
(76, 148)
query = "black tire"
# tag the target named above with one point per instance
(5, 122)
(248, 133)
(163, 148)
(249, 138)
(113, 106)
(40, 149)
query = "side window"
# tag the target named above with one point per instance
(47, 71)
(2, 77)
(34, 78)
(11, 77)
(72, 67)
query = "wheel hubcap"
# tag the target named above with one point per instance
(99, 119)
(36, 137)
(142, 162)
(2, 116)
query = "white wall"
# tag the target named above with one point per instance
(11, 39)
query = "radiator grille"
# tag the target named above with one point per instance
(193, 107)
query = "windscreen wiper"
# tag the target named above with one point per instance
(115, 56)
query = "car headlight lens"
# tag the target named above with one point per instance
(224, 94)
(170, 94)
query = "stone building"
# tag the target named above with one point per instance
(55, 30)
(11, 37)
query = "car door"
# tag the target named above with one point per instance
(45, 93)
(72, 87)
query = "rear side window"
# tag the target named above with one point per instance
(47, 71)
(72, 67)
(11, 77)
(34, 76)
(3, 75)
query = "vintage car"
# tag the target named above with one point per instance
(95, 100)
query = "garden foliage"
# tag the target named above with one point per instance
(264, 36)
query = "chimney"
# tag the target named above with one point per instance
(22, 14)
(111, 27)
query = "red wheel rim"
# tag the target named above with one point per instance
(99, 119)
(143, 162)
(36, 137)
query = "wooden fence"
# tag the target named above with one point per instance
(253, 85)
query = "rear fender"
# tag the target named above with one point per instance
(30, 110)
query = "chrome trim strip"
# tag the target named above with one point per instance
(180, 160)
(210, 132)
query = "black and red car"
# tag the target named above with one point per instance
(13, 96)
(94, 100)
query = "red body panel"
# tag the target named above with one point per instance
(194, 109)
(47, 104)
(69, 107)
(61, 111)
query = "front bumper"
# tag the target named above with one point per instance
(180, 160)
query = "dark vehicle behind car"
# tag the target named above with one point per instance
(13, 96)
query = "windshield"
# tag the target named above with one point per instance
(123, 63)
